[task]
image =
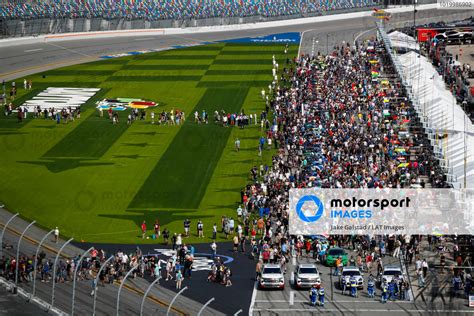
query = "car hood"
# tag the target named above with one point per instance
(347, 278)
(308, 276)
(272, 275)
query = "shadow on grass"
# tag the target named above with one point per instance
(12, 132)
(142, 145)
(146, 133)
(217, 207)
(57, 165)
(136, 156)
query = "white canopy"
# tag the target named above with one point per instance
(441, 115)
(402, 40)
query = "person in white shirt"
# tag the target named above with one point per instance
(214, 249)
(179, 241)
(231, 225)
(239, 211)
(56, 234)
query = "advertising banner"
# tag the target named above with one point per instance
(381, 211)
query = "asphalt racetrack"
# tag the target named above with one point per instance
(22, 60)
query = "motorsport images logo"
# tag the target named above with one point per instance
(380, 211)
(345, 208)
(310, 214)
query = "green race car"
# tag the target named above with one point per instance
(335, 253)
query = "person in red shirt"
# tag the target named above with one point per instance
(307, 246)
(143, 230)
(266, 256)
(253, 233)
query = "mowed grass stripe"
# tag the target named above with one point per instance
(165, 67)
(161, 62)
(90, 139)
(81, 72)
(245, 61)
(154, 78)
(268, 67)
(237, 72)
(180, 178)
(174, 57)
(279, 51)
(109, 61)
(200, 48)
(158, 73)
(229, 84)
(62, 84)
(255, 47)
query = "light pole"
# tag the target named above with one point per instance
(327, 44)
(3, 232)
(18, 254)
(121, 285)
(54, 270)
(96, 281)
(76, 268)
(146, 293)
(414, 18)
(35, 264)
(465, 145)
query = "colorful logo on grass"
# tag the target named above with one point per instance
(121, 104)
(315, 212)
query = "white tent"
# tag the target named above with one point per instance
(441, 115)
(403, 41)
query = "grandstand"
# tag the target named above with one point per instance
(23, 18)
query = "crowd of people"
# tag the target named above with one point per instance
(177, 267)
(153, 10)
(338, 126)
(456, 75)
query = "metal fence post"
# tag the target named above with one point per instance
(76, 268)
(205, 305)
(96, 280)
(146, 293)
(18, 253)
(121, 285)
(3, 232)
(35, 264)
(54, 270)
(174, 299)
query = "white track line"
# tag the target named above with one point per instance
(33, 50)
(69, 50)
(301, 41)
(362, 33)
(144, 39)
(254, 295)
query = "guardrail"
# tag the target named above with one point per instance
(43, 303)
